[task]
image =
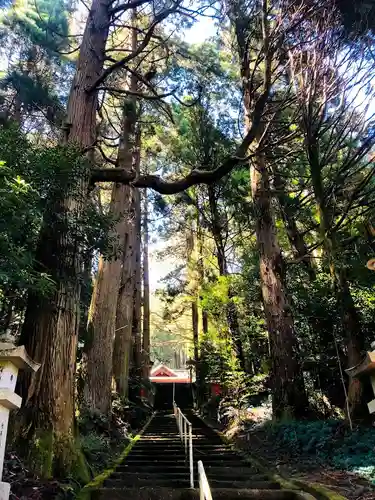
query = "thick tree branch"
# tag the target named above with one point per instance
(115, 90)
(127, 6)
(195, 176)
(119, 64)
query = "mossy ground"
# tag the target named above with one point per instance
(326, 453)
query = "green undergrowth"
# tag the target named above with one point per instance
(104, 438)
(329, 442)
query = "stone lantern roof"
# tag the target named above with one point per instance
(18, 356)
(366, 367)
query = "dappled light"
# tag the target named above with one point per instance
(187, 250)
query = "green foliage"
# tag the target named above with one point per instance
(43, 23)
(32, 178)
(23, 193)
(35, 93)
(102, 437)
(329, 442)
(90, 421)
(97, 450)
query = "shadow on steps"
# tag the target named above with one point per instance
(188, 494)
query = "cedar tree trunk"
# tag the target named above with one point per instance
(102, 317)
(146, 293)
(289, 397)
(51, 323)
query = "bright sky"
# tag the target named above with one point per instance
(201, 31)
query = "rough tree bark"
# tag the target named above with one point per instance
(288, 391)
(121, 357)
(102, 316)
(137, 297)
(124, 313)
(191, 262)
(51, 323)
(137, 292)
(146, 293)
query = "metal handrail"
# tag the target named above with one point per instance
(204, 487)
(186, 434)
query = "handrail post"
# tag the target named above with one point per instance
(191, 464)
(185, 430)
(204, 487)
(185, 436)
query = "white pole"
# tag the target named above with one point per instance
(174, 390)
(186, 437)
(200, 478)
(191, 464)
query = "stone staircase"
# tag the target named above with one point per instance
(156, 468)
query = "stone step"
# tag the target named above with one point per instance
(244, 483)
(173, 446)
(167, 443)
(157, 435)
(134, 480)
(188, 494)
(161, 439)
(261, 481)
(232, 473)
(177, 480)
(170, 460)
(146, 475)
(151, 469)
(157, 468)
(224, 454)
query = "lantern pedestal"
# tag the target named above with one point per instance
(12, 359)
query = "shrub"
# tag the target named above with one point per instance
(97, 450)
(331, 442)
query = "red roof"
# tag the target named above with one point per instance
(170, 380)
(163, 375)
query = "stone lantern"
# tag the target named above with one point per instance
(12, 359)
(366, 368)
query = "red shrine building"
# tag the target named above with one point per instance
(170, 385)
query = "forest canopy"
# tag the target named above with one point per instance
(247, 159)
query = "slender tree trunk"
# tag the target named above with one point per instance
(201, 283)
(289, 397)
(125, 302)
(201, 273)
(351, 325)
(295, 237)
(51, 324)
(146, 292)
(137, 300)
(195, 325)
(125, 322)
(231, 309)
(288, 390)
(102, 316)
(124, 314)
(191, 262)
